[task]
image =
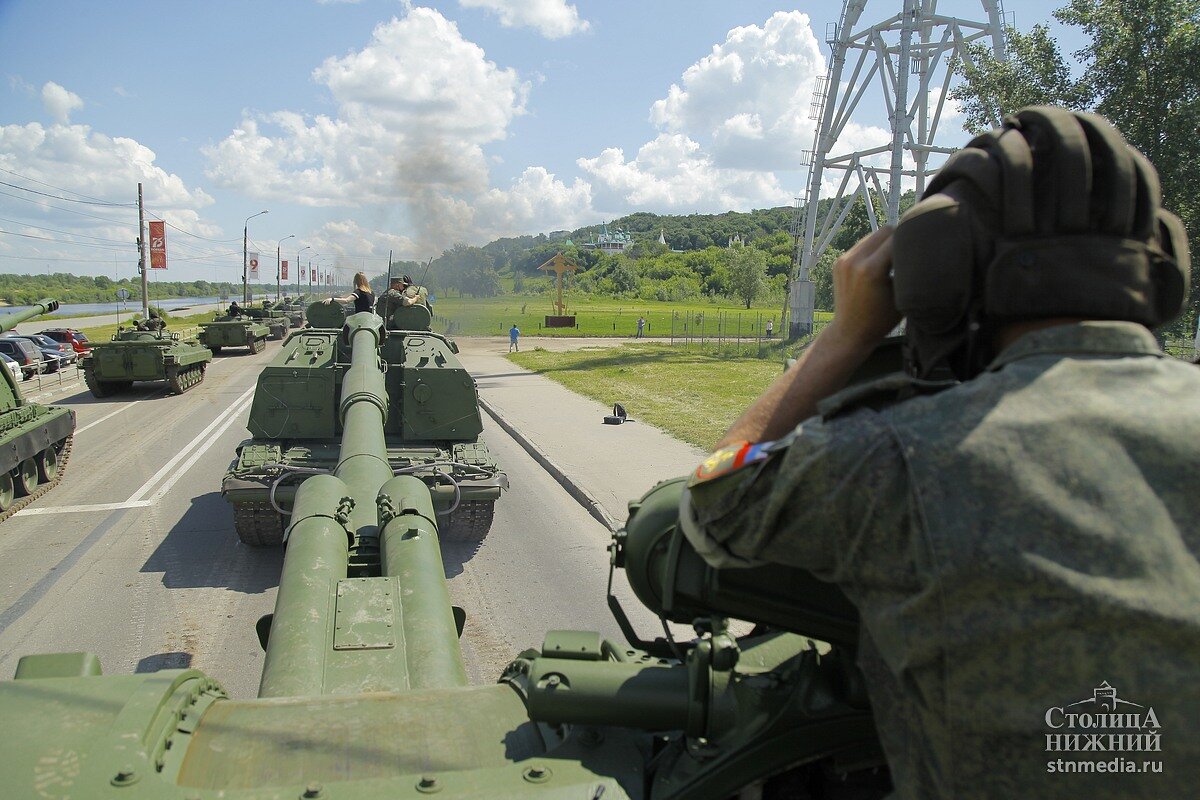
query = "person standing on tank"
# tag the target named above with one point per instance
(1014, 515)
(364, 299)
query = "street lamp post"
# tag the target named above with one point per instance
(298, 252)
(278, 252)
(245, 241)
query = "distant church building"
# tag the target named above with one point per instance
(735, 239)
(614, 241)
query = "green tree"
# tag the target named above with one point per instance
(747, 273)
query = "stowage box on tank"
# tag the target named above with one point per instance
(431, 425)
(35, 440)
(234, 331)
(141, 355)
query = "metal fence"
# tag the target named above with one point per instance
(729, 330)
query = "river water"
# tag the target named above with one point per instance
(98, 309)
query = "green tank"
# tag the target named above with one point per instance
(234, 331)
(293, 309)
(144, 355)
(364, 691)
(272, 316)
(35, 440)
(432, 425)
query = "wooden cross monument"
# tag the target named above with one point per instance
(559, 265)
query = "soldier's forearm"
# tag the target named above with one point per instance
(822, 370)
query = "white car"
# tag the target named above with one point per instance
(14, 368)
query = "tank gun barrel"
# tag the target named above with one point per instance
(13, 319)
(391, 632)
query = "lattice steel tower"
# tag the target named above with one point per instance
(909, 54)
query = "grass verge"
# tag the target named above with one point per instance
(693, 395)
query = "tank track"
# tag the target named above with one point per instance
(470, 522)
(257, 524)
(255, 345)
(100, 388)
(186, 378)
(64, 456)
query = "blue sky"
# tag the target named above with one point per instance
(382, 125)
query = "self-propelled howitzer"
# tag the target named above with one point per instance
(364, 694)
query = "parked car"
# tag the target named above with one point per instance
(13, 367)
(66, 353)
(54, 354)
(25, 353)
(69, 336)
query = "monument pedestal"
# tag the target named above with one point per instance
(560, 322)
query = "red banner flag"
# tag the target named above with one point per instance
(158, 245)
(283, 271)
(312, 275)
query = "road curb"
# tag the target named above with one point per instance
(577, 492)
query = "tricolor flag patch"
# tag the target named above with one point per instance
(729, 459)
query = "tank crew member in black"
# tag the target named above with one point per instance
(362, 296)
(234, 309)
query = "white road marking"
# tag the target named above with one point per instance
(137, 499)
(119, 410)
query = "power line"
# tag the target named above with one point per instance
(60, 241)
(66, 210)
(66, 199)
(65, 233)
(60, 188)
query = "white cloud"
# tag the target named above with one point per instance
(60, 102)
(414, 109)
(95, 166)
(672, 173)
(553, 19)
(749, 98)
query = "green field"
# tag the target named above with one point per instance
(693, 395)
(601, 316)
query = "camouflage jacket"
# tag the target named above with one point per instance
(1023, 551)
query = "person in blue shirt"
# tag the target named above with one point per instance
(514, 333)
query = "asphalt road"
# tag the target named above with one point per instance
(133, 556)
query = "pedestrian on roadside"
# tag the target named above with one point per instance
(770, 328)
(514, 333)
(641, 326)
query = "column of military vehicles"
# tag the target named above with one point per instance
(364, 454)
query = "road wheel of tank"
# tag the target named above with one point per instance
(26, 477)
(215, 348)
(98, 388)
(469, 522)
(258, 525)
(256, 345)
(47, 464)
(8, 492)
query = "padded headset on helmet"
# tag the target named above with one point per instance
(1051, 215)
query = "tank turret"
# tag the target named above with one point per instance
(35, 440)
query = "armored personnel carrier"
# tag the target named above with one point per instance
(432, 425)
(144, 355)
(293, 309)
(234, 331)
(35, 440)
(364, 690)
(272, 316)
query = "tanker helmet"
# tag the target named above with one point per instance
(1051, 215)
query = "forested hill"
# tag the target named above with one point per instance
(22, 290)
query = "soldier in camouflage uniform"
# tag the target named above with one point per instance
(401, 293)
(1016, 518)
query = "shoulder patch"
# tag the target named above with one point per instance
(730, 459)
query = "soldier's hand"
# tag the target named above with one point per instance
(863, 300)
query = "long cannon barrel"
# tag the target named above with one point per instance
(15, 318)
(389, 632)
